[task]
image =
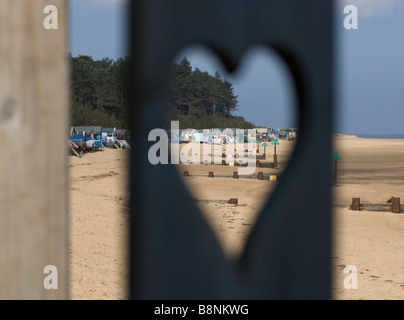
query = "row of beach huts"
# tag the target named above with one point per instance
(230, 135)
(96, 138)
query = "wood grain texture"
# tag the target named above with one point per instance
(34, 102)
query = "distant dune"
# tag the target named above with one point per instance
(344, 135)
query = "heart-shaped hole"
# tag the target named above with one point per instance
(212, 162)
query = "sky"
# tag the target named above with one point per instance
(98, 28)
(369, 66)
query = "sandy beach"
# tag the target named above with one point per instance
(373, 241)
(99, 218)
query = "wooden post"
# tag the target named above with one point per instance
(275, 160)
(34, 122)
(211, 175)
(281, 260)
(260, 175)
(186, 173)
(235, 174)
(356, 204)
(258, 163)
(395, 205)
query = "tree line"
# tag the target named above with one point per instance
(100, 90)
(199, 100)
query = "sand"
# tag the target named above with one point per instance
(373, 242)
(99, 218)
(373, 170)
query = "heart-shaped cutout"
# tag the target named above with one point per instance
(229, 173)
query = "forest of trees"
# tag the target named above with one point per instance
(197, 100)
(99, 91)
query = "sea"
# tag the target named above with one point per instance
(381, 136)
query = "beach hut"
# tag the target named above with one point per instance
(122, 138)
(172, 136)
(87, 137)
(233, 135)
(186, 135)
(207, 136)
(122, 134)
(262, 133)
(108, 137)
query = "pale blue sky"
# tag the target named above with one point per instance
(98, 28)
(369, 69)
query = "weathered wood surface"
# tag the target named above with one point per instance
(174, 253)
(34, 78)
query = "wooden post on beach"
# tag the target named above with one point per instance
(395, 205)
(275, 161)
(356, 204)
(265, 150)
(274, 143)
(34, 114)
